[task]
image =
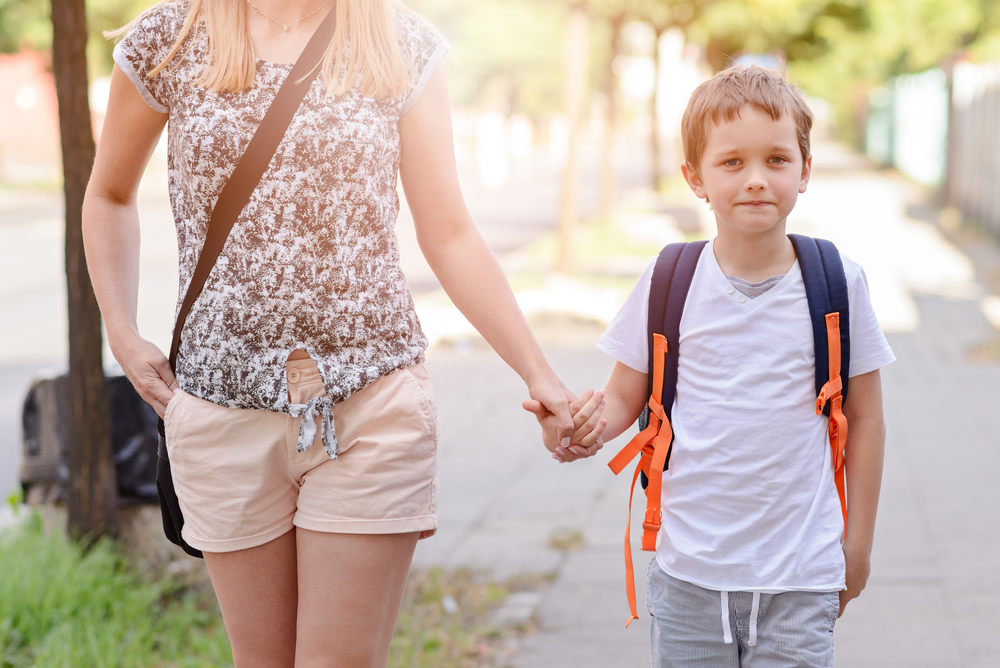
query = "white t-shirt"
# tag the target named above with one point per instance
(749, 502)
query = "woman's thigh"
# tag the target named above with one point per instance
(258, 594)
(350, 587)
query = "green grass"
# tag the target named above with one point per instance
(62, 606)
(429, 636)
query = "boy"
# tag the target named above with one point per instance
(753, 563)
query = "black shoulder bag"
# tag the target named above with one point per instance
(232, 199)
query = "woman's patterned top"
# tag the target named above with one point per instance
(312, 261)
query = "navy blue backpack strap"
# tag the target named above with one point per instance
(826, 291)
(668, 290)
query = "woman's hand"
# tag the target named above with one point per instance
(148, 369)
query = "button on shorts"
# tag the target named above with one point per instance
(241, 482)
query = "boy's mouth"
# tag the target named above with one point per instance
(756, 202)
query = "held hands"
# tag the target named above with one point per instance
(148, 369)
(587, 427)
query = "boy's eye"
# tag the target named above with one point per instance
(732, 162)
(777, 160)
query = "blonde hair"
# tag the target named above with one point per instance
(373, 52)
(721, 98)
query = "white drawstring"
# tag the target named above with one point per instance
(754, 611)
(307, 429)
(727, 633)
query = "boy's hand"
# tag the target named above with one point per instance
(587, 424)
(859, 566)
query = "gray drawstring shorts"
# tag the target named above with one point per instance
(692, 627)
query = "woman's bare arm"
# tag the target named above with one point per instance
(460, 258)
(111, 235)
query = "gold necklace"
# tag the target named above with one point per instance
(286, 26)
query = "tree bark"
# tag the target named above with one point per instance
(608, 180)
(576, 67)
(92, 494)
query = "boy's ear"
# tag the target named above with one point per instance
(693, 180)
(806, 172)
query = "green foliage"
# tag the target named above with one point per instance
(24, 23)
(893, 37)
(63, 606)
(507, 52)
(27, 24)
(108, 15)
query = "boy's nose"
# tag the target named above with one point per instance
(755, 181)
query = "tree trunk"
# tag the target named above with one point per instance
(608, 180)
(92, 495)
(656, 156)
(575, 68)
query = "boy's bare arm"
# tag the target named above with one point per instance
(863, 460)
(625, 395)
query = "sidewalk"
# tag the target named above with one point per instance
(934, 596)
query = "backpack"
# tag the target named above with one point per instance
(826, 292)
(44, 467)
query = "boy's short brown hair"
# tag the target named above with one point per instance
(720, 99)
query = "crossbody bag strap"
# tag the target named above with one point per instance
(251, 166)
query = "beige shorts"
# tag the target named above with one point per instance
(241, 483)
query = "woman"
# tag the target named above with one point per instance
(305, 318)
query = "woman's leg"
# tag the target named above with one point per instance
(258, 594)
(350, 590)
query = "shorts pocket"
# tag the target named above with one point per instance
(170, 413)
(417, 378)
(834, 608)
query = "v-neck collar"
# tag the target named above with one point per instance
(727, 288)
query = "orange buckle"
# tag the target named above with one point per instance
(831, 388)
(652, 520)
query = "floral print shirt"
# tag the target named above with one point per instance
(312, 261)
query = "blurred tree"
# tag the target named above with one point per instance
(843, 57)
(663, 15)
(609, 82)
(92, 494)
(506, 50)
(576, 70)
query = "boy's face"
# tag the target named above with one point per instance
(751, 171)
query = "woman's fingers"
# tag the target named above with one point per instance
(149, 371)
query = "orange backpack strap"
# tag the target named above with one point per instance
(653, 443)
(831, 393)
